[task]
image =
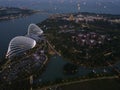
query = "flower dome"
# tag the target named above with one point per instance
(19, 44)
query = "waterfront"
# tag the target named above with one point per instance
(17, 27)
(54, 69)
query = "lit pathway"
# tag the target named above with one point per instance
(53, 48)
(79, 81)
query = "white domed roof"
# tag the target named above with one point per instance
(34, 29)
(20, 44)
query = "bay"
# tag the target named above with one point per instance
(11, 28)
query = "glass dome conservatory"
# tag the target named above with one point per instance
(22, 43)
(34, 29)
(19, 44)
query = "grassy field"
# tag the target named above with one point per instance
(111, 84)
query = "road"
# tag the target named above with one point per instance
(53, 48)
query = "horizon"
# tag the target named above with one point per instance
(101, 6)
(58, 6)
(59, 44)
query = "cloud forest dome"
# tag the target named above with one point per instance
(34, 29)
(19, 44)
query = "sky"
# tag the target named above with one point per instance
(110, 5)
(56, 1)
(61, 0)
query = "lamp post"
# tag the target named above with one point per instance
(31, 82)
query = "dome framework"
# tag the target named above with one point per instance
(34, 29)
(19, 44)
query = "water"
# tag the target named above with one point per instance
(54, 70)
(55, 66)
(17, 27)
(12, 28)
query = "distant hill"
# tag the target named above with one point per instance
(7, 13)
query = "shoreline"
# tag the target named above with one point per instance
(11, 13)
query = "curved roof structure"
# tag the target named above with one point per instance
(19, 44)
(34, 29)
